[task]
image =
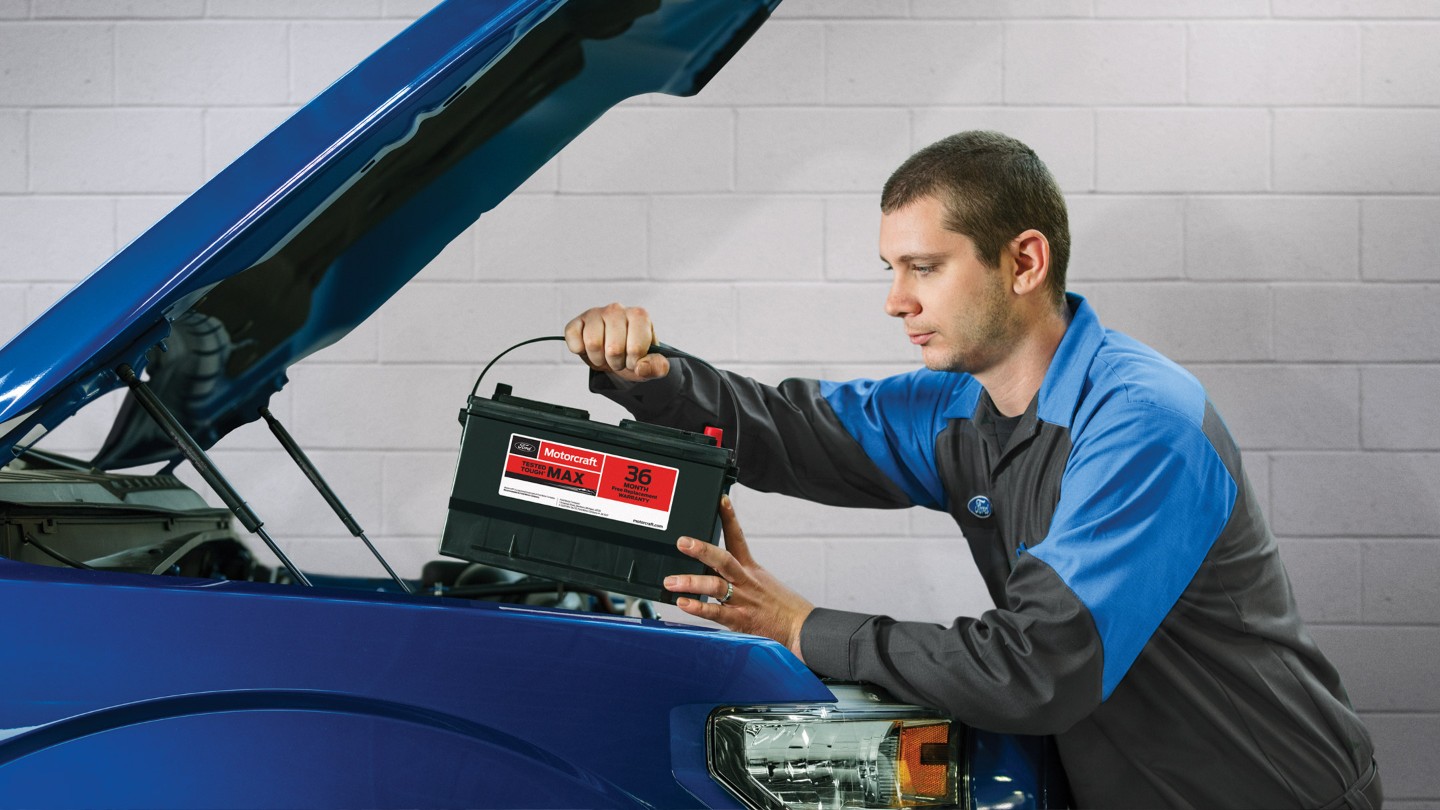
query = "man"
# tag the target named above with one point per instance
(1142, 613)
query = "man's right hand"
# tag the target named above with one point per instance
(616, 340)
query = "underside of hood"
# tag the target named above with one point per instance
(313, 229)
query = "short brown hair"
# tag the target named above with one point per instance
(993, 188)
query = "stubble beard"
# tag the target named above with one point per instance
(987, 338)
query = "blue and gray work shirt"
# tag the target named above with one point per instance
(1142, 615)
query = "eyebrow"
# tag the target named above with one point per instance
(911, 258)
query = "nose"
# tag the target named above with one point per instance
(899, 303)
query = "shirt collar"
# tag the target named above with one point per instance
(986, 415)
(1070, 367)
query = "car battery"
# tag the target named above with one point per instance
(543, 490)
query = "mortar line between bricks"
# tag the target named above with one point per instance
(1272, 306)
(1360, 407)
(289, 63)
(824, 65)
(28, 140)
(647, 227)
(114, 65)
(1304, 364)
(1056, 106)
(734, 152)
(1398, 538)
(1185, 245)
(1362, 582)
(1377, 625)
(242, 19)
(1185, 62)
(153, 106)
(1306, 451)
(1177, 192)
(474, 367)
(205, 143)
(1270, 150)
(1004, 47)
(1360, 238)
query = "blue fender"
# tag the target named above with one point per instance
(276, 748)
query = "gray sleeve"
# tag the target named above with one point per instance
(790, 441)
(1033, 668)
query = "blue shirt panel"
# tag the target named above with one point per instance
(897, 419)
(1143, 498)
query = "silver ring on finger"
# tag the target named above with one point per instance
(729, 592)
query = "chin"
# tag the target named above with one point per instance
(948, 361)
(936, 361)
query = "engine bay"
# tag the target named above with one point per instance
(57, 511)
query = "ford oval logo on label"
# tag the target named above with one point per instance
(979, 506)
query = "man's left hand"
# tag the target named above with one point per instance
(758, 603)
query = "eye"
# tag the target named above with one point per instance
(922, 269)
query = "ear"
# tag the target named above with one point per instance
(1030, 252)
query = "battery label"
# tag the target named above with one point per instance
(590, 482)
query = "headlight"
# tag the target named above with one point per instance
(862, 751)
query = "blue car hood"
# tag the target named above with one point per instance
(316, 226)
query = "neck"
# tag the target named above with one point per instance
(1013, 382)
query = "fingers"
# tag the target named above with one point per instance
(729, 562)
(585, 337)
(717, 558)
(758, 603)
(734, 536)
(616, 323)
(713, 611)
(616, 339)
(639, 336)
(573, 340)
(703, 585)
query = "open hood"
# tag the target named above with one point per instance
(314, 228)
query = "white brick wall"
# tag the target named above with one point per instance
(1285, 64)
(167, 63)
(107, 150)
(1094, 63)
(1254, 187)
(49, 65)
(1356, 151)
(961, 63)
(1182, 150)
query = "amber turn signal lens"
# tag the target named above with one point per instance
(924, 763)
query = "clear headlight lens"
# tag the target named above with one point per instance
(863, 751)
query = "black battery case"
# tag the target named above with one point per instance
(543, 490)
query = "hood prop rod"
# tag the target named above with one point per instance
(303, 462)
(201, 462)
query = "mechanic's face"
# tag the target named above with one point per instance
(958, 310)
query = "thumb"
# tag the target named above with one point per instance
(652, 367)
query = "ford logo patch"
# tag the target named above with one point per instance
(979, 506)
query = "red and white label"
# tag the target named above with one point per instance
(590, 482)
